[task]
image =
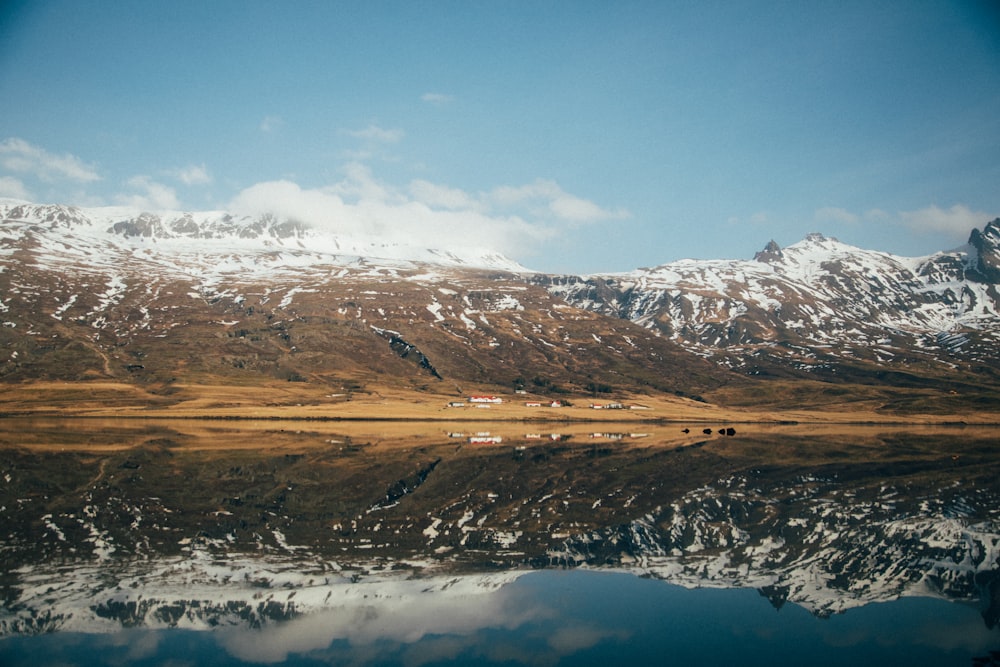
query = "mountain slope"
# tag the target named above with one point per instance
(819, 308)
(211, 298)
(208, 298)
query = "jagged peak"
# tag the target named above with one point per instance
(770, 253)
(55, 215)
(817, 237)
(816, 246)
(986, 244)
(988, 239)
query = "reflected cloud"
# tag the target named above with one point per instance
(385, 615)
(425, 627)
(567, 640)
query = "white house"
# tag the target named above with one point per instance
(485, 399)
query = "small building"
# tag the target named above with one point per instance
(456, 404)
(533, 404)
(485, 399)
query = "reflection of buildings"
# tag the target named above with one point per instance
(485, 439)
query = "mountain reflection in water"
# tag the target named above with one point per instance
(421, 543)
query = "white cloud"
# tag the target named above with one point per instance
(194, 175)
(360, 185)
(377, 134)
(271, 123)
(387, 214)
(20, 156)
(956, 221)
(546, 198)
(151, 195)
(568, 207)
(511, 220)
(13, 188)
(437, 98)
(286, 199)
(442, 196)
(835, 214)
(541, 189)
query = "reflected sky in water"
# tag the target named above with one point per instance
(549, 618)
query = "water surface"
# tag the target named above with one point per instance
(145, 542)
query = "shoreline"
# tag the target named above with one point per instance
(944, 421)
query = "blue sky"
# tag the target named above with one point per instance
(573, 136)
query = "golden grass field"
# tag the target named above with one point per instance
(301, 401)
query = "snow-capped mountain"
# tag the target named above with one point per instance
(115, 293)
(815, 306)
(259, 244)
(111, 294)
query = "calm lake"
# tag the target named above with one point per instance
(230, 543)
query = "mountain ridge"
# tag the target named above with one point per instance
(815, 295)
(176, 229)
(210, 297)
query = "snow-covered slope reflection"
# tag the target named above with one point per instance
(173, 534)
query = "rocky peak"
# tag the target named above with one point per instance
(816, 237)
(50, 215)
(770, 253)
(145, 225)
(987, 240)
(987, 245)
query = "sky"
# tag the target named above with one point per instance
(573, 136)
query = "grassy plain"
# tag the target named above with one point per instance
(792, 402)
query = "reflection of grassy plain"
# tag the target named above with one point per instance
(364, 490)
(303, 435)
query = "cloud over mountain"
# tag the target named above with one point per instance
(21, 156)
(957, 220)
(196, 174)
(148, 194)
(509, 219)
